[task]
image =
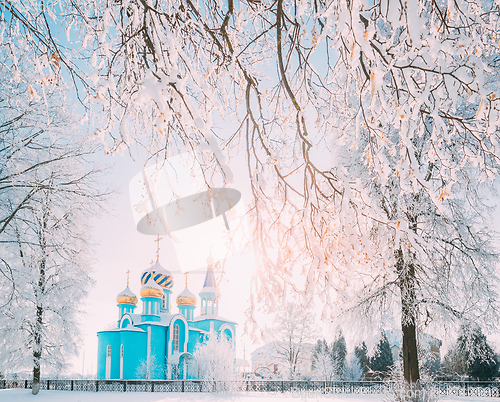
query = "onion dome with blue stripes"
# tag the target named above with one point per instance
(127, 297)
(159, 274)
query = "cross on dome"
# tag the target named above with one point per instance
(157, 241)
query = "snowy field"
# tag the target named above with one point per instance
(21, 395)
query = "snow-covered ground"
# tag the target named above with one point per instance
(21, 395)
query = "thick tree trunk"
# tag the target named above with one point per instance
(410, 358)
(407, 283)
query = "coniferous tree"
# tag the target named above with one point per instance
(381, 361)
(361, 353)
(472, 356)
(339, 353)
(353, 372)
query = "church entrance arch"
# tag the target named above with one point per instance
(183, 366)
(187, 367)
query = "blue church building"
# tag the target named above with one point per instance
(159, 343)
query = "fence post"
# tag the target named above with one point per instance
(96, 385)
(48, 384)
(182, 385)
(124, 386)
(72, 385)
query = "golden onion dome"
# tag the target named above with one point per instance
(186, 298)
(159, 274)
(151, 289)
(126, 297)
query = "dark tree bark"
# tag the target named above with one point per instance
(39, 291)
(407, 282)
(37, 351)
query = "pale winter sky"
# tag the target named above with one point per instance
(120, 247)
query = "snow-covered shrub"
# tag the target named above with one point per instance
(413, 392)
(401, 391)
(323, 368)
(216, 363)
(155, 370)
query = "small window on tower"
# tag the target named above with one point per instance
(121, 351)
(108, 352)
(164, 301)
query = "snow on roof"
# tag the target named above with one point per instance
(264, 351)
(208, 290)
(242, 363)
(159, 269)
(126, 292)
(187, 293)
(151, 283)
(165, 320)
(136, 317)
(198, 330)
(129, 328)
(211, 317)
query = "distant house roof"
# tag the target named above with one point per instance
(267, 350)
(242, 363)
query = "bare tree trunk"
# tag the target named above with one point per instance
(39, 291)
(407, 284)
(37, 347)
(37, 351)
(410, 359)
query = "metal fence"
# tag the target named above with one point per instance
(457, 388)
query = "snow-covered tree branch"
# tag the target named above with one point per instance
(370, 130)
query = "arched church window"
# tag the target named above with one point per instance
(164, 301)
(176, 338)
(209, 309)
